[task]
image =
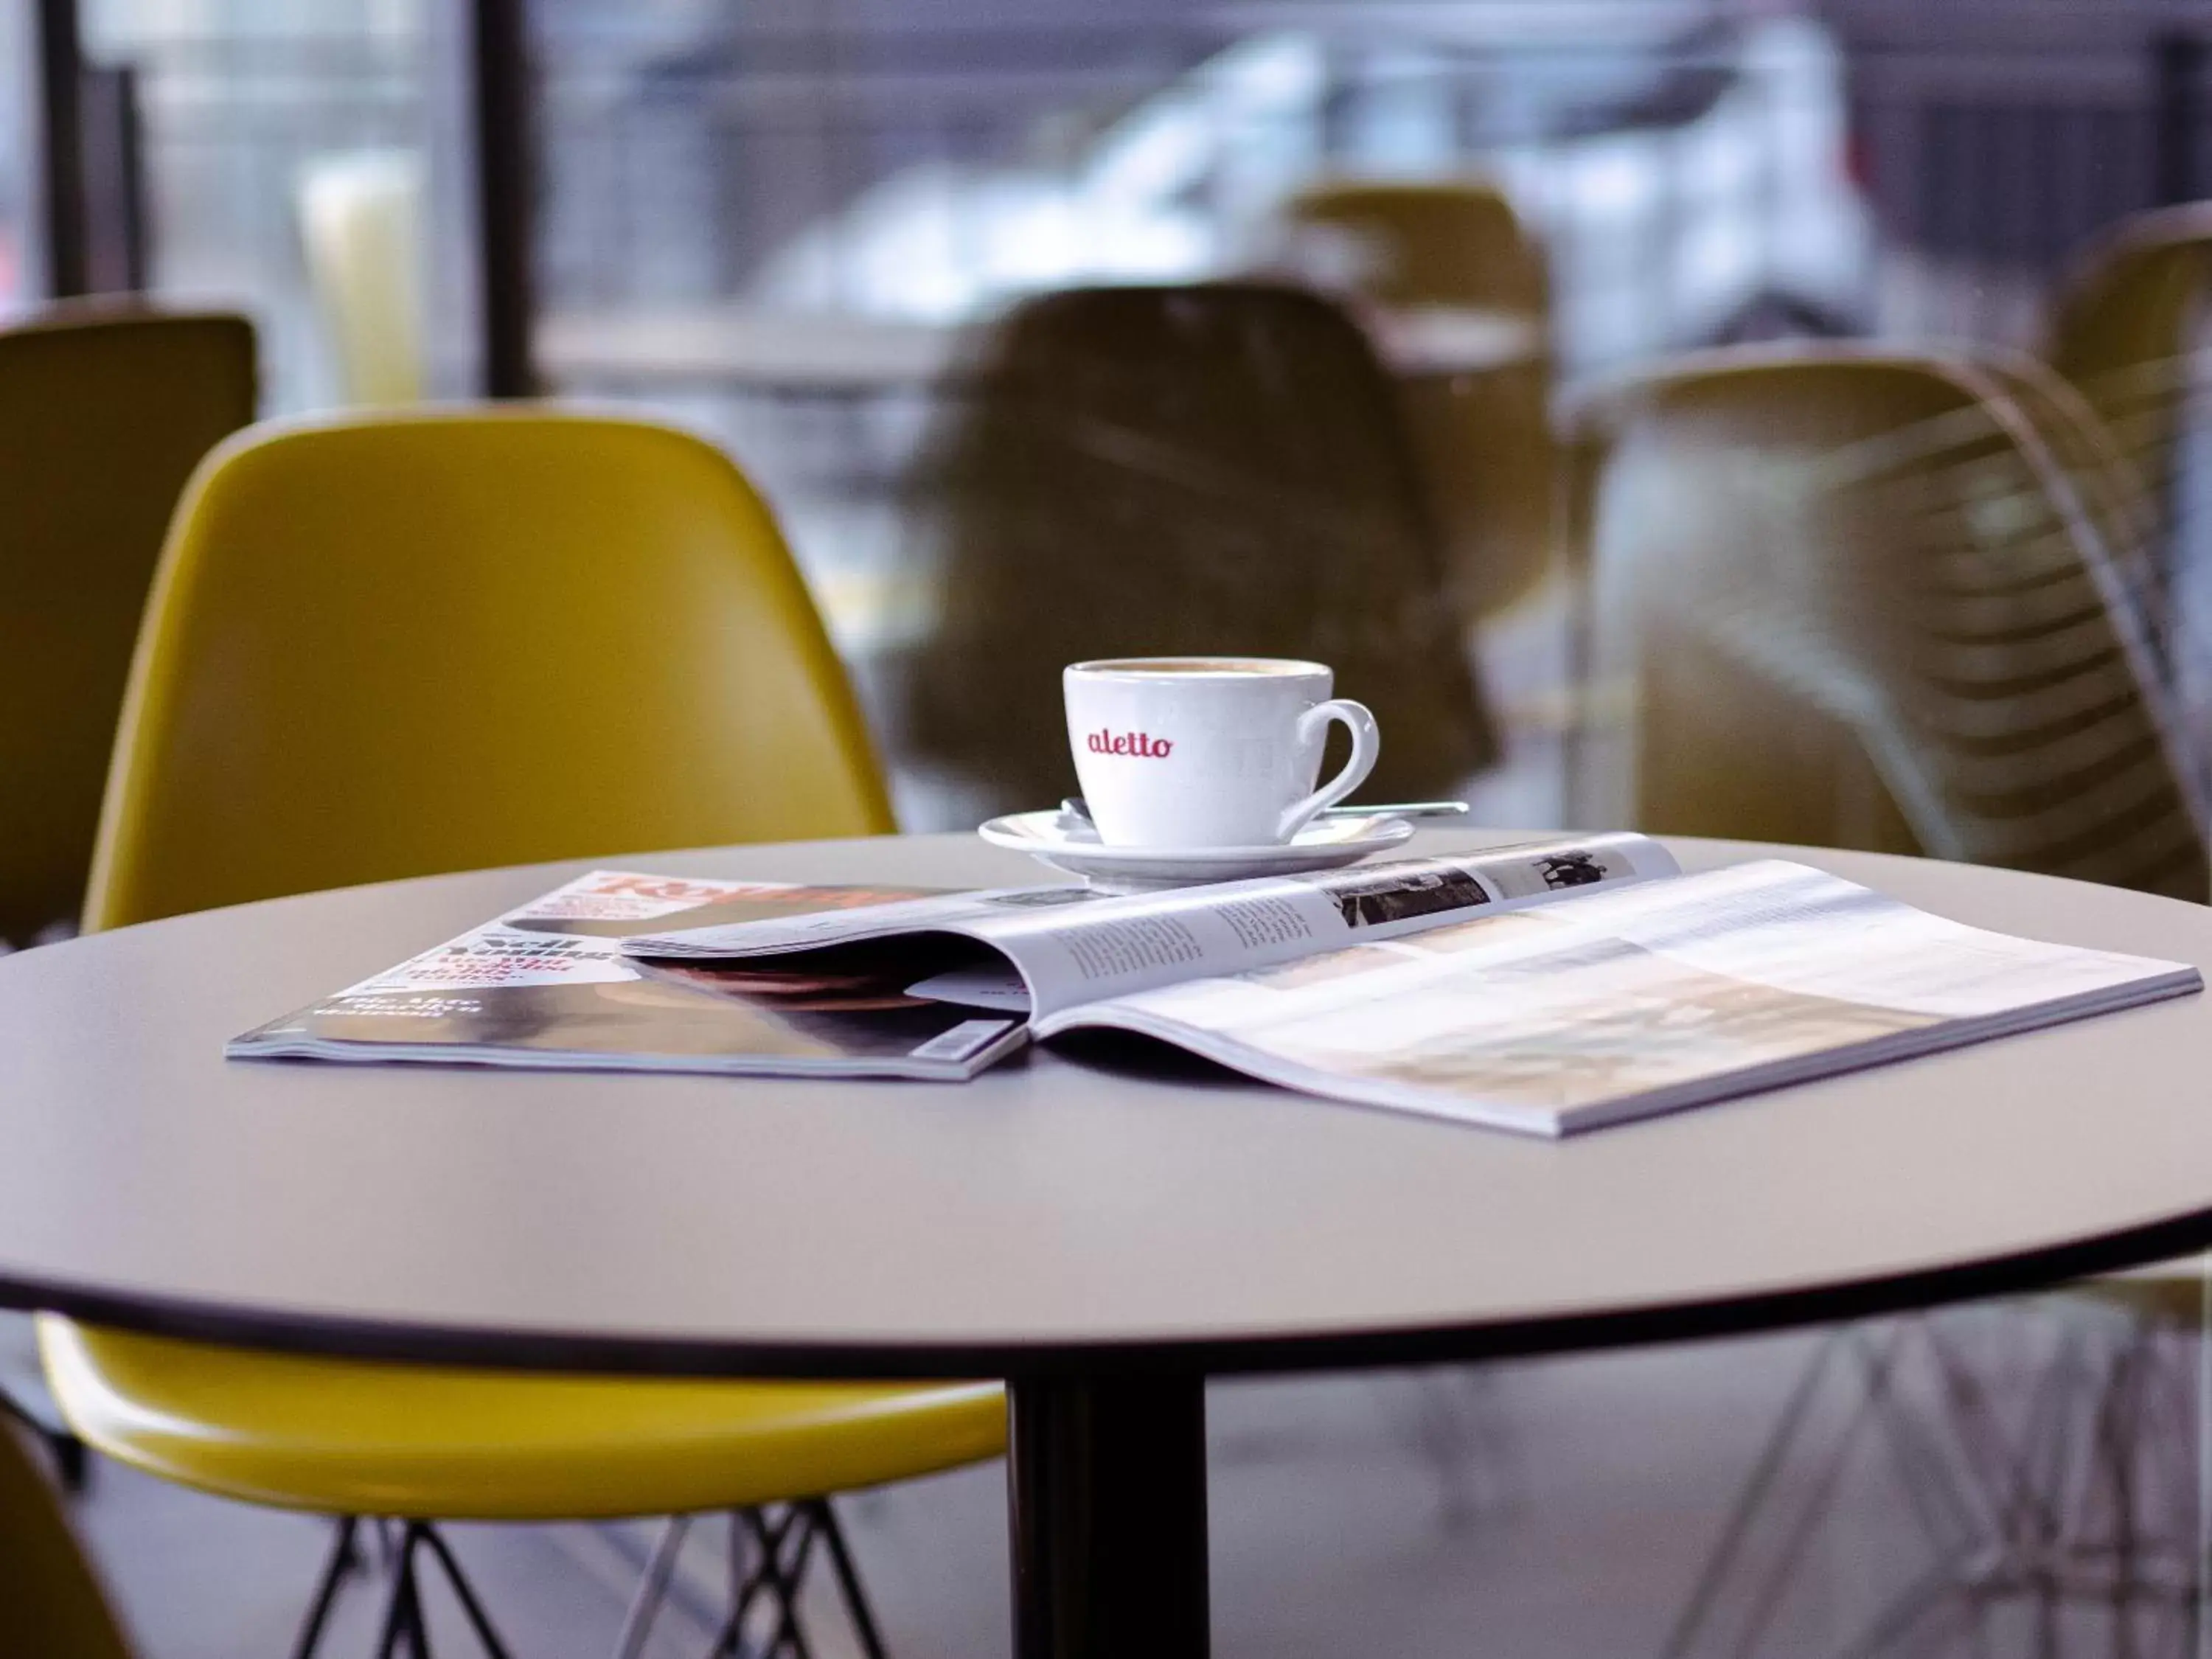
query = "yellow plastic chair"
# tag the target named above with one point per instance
(1485, 440)
(103, 414)
(380, 647)
(51, 1606)
(2125, 335)
(1867, 606)
(1453, 242)
(392, 645)
(2125, 324)
(2107, 488)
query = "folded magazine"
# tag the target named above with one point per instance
(1549, 986)
(547, 986)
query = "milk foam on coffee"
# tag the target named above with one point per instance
(1199, 665)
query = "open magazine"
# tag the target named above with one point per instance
(547, 985)
(1548, 988)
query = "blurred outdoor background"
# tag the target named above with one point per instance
(778, 220)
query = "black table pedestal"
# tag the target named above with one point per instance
(1108, 1488)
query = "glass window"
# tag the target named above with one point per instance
(19, 276)
(287, 170)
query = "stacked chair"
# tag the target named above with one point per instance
(1869, 600)
(2125, 328)
(1871, 608)
(1485, 440)
(1216, 469)
(2107, 488)
(2125, 335)
(399, 644)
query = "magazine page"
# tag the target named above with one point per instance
(1064, 946)
(617, 904)
(1636, 1000)
(547, 985)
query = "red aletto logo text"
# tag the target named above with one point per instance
(1129, 743)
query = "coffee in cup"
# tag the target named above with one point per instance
(1209, 752)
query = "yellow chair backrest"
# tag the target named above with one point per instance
(2107, 487)
(1485, 440)
(393, 645)
(103, 416)
(2124, 333)
(2126, 317)
(1868, 609)
(1446, 243)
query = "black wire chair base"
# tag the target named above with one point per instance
(771, 1551)
(405, 1628)
(2034, 1520)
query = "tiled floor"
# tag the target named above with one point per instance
(1552, 1510)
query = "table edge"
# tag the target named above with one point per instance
(646, 1354)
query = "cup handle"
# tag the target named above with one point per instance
(1366, 744)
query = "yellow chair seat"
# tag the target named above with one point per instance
(442, 1443)
(2164, 1293)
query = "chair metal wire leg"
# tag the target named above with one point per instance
(341, 1561)
(1872, 1356)
(2045, 1512)
(769, 1554)
(746, 1584)
(406, 1626)
(72, 1459)
(784, 1577)
(652, 1588)
(848, 1579)
(479, 1620)
(403, 1612)
(1780, 1441)
(1921, 1597)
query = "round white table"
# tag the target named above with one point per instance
(1104, 1228)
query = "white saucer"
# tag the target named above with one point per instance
(1070, 844)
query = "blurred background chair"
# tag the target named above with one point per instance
(105, 410)
(1214, 469)
(394, 645)
(104, 413)
(2127, 320)
(360, 224)
(2108, 488)
(1485, 440)
(2125, 332)
(1868, 605)
(51, 1606)
(1868, 609)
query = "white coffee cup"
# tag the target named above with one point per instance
(1209, 752)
